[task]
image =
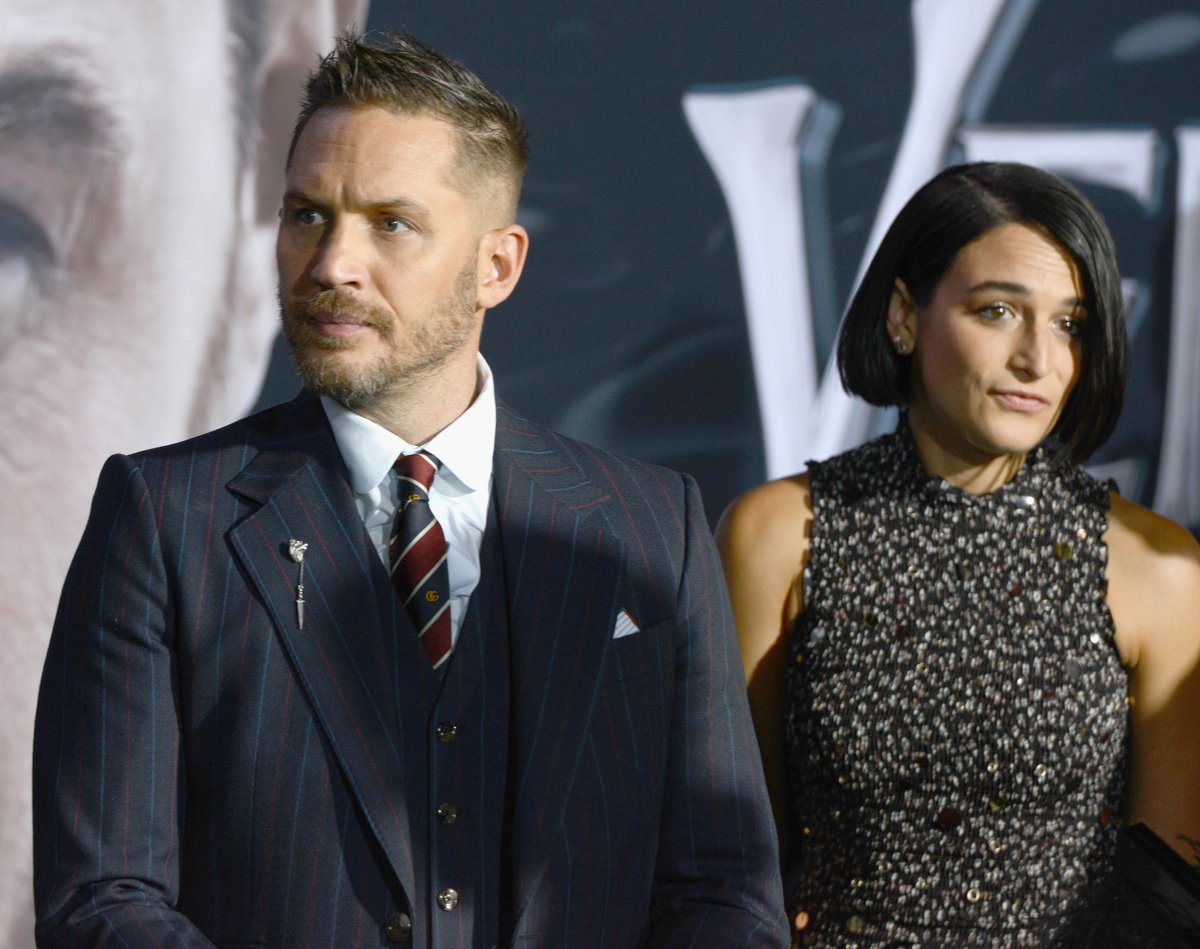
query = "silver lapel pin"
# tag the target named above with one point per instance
(296, 549)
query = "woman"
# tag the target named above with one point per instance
(968, 660)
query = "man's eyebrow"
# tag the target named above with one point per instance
(403, 205)
(57, 106)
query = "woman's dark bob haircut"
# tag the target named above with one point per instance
(953, 209)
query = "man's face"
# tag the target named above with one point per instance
(379, 256)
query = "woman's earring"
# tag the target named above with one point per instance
(901, 346)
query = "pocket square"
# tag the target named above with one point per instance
(626, 625)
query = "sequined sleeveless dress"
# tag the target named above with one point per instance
(955, 707)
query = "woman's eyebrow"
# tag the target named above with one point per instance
(1008, 286)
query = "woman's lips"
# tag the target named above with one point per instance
(1020, 401)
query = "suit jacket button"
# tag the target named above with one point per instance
(448, 899)
(447, 732)
(447, 814)
(398, 927)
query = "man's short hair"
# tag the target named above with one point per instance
(953, 209)
(405, 76)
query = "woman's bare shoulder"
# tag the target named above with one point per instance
(774, 514)
(1149, 546)
(1153, 578)
(763, 541)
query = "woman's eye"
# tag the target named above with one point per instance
(995, 311)
(1071, 326)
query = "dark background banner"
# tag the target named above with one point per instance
(630, 328)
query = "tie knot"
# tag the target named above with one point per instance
(417, 468)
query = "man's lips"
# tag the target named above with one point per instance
(1019, 401)
(339, 327)
(337, 322)
(339, 318)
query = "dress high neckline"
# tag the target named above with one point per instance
(1020, 492)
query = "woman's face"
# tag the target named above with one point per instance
(997, 350)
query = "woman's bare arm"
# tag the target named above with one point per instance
(763, 541)
(1154, 596)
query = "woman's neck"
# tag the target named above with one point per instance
(951, 460)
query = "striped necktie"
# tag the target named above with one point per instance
(417, 551)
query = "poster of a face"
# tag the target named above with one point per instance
(141, 154)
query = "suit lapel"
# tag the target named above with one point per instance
(562, 568)
(338, 656)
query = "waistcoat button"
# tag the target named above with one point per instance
(448, 898)
(447, 732)
(398, 927)
(447, 814)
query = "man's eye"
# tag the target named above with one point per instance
(309, 217)
(393, 225)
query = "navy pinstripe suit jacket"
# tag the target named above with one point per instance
(206, 772)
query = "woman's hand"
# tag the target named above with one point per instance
(800, 922)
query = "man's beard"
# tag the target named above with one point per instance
(429, 343)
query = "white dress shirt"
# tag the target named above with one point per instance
(460, 491)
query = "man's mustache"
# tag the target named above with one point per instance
(338, 306)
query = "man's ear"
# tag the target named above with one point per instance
(501, 260)
(902, 319)
(295, 33)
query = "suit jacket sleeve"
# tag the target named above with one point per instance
(717, 882)
(107, 786)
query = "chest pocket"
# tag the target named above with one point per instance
(638, 654)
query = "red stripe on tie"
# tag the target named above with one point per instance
(417, 549)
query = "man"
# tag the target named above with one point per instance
(138, 192)
(250, 734)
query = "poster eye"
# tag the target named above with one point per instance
(26, 253)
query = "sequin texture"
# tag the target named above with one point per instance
(955, 707)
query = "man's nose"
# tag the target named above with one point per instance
(339, 260)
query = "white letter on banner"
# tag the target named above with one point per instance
(1125, 159)
(753, 138)
(1177, 496)
(955, 44)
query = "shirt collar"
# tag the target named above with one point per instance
(464, 447)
